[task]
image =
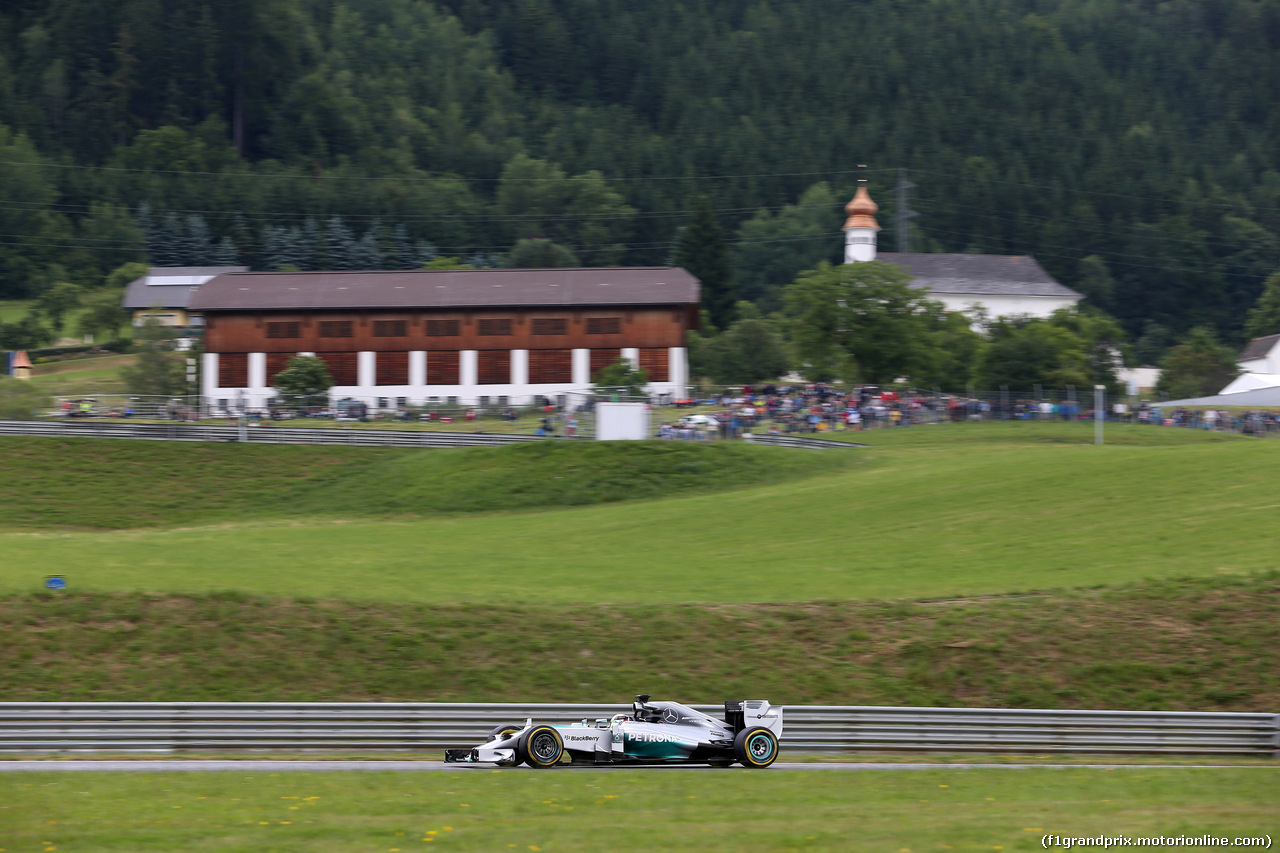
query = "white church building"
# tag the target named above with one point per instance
(1001, 285)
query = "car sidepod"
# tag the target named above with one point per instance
(657, 742)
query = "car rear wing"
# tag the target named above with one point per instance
(750, 713)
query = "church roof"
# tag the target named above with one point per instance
(862, 211)
(1259, 347)
(987, 275)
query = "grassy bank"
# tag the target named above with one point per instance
(1191, 644)
(94, 483)
(944, 519)
(933, 810)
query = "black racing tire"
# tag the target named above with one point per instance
(755, 748)
(504, 729)
(508, 729)
(541, 747)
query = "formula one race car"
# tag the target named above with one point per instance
(653, 733)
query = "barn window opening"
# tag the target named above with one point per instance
(336, 328)
(604, 325)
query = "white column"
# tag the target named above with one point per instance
(468, 373)
(257, 371)
(582, 367)
(417, 368)
(366, 370)
(632, 354)
(678, 370)
(519, 370)
(209, 376)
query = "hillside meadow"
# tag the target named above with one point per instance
(1006, 508)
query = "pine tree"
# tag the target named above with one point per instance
(702, 251)
(225, 254)
(167, 249)
(311, 247)
(368, 252)
(1264, 319)
(196, 242)
(340, 246)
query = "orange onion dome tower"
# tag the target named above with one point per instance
(860, 228)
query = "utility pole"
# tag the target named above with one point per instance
(901, 213)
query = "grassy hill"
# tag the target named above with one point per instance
(1023, 510)
(106, 484)
(882, 575)
(1186, 644)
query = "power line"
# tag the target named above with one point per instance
(429, 179)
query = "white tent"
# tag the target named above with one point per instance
(1251, 382)
(1258, 398)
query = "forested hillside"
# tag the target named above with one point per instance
(1132, 146)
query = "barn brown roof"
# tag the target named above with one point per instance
(447, 289)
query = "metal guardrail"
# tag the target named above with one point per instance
(165, 727)
(259, 434)
(798, 441)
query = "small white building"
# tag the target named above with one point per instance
(1260, 366)
(1001, 285)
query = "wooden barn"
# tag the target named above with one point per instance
(468, 337)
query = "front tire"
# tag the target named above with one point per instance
(755, 748)
(504, 730)
(541, 747)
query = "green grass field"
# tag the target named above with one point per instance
(494, 810)
(1023, 510)
(222, 572)
(12, 310)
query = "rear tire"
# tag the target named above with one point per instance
(541, 747)
(755, 748)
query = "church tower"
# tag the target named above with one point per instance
(860, 228)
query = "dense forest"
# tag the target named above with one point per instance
(1132, 146)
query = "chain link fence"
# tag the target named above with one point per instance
(706, 413)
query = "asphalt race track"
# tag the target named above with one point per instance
(312, 766)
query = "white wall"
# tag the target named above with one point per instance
(519, 391)
(1004, 306)
(622, 421)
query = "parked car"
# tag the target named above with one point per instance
(698, 421)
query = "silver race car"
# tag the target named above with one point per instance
(653, 733)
